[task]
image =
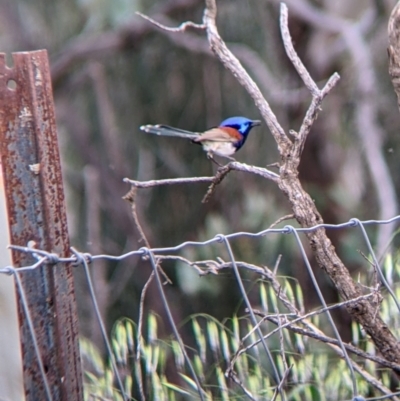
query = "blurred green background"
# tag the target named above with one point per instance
(113, 71)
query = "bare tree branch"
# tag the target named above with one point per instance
(369, 131)
(317, 94)
(219, 176)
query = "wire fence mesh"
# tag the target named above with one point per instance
(268, 349)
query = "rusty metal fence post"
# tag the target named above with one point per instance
(36, 213)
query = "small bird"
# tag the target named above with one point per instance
(224, 140)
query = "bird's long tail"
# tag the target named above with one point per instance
(165, 130)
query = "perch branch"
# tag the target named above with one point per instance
(219, 176)
(167, 181)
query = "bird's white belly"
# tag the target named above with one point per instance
(219, 148)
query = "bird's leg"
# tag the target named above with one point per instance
(210, 155)
(232, 159)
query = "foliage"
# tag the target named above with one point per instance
(315, 371)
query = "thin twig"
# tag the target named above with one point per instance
(263, 172)
(131, 198)
(284, 378)
(232, 375)
(140, 335)
(297, 319)
(334, 344)
(181, 28)
(293, 57)
(317, 94)
(316, 334)
(219, 176)
(175, 330)
(167, 181)
(283, 218)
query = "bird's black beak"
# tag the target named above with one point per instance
(254, 123)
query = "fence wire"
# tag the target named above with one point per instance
(83, 260)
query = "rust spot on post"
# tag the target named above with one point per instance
(36, 211)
